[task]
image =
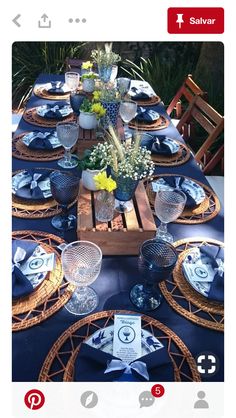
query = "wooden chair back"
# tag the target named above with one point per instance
(188, 91)
(200, 112)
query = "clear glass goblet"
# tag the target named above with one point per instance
(156, 262)
(128, 110)
(114, 73)
(65, 189)
(123, 85)
(81, 263)
(72, 80)
(169, 204)
(67, 133)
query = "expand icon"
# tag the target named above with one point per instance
(207, 364)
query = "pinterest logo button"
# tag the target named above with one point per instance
(34, 399)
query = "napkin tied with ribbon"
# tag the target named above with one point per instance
(93, 364)
(216, 255)
(146, 115)
(53, 111)
(56, 87)
(31, 189)
(160, 147)
(40, 140)
(21, 251)
(176, 182)
(138, 94)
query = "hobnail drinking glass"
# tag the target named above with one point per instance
(156, 262)
(67, 133)
(123, 85)
(128, 110)
(81, 263)
(64, 188)
(72, 80)
(169, 204)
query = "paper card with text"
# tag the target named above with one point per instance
(127, 337)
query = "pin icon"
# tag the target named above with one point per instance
(180, 19)
(34, 399)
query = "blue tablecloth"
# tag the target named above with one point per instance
(118, 274)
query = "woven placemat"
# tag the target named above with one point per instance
(59, 363)
(187, 301)
(33, 118)
(204, 212)
(44, 94)
(154, 100)
(22, 208)
(22, 152)
(160, 123)
(51, 295)
(180, 157)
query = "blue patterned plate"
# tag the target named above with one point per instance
(103, 340)
(194, 189)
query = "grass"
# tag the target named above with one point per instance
(32, 58)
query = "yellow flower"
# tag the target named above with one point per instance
(103, 182)
(87, 65)
(96, 95)
(98, 109)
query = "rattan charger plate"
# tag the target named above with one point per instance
(184, 299)
(187, 301)
(160, 123)
(59, 363)
(33, 118)
(22, 152)
(154, 100)
(44, 94)
(22, 208)
(204, 212)
(179, 158)
(51, 295)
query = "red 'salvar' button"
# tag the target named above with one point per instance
(195, 20)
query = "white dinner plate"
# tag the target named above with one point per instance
(194, 189)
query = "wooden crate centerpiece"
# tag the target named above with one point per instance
(125, 233)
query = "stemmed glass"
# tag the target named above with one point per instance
(123, 85)
(72, 80)
(81, 263)
(156, 262)
(65, 189)
(128, 110)
(67, 133)
(114, 73)
(169, 204)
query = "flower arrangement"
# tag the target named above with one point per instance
(87, 65)
(94, 159)
(104, 183)
(90, 76)
(89, 106)
(128, 160)
(105, 57)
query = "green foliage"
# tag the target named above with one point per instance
(89, 76)
(86, 106)
(89, 162)
(32, 58)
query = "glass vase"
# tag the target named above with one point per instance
(124, 192)
(104, 206)
(104, 72)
